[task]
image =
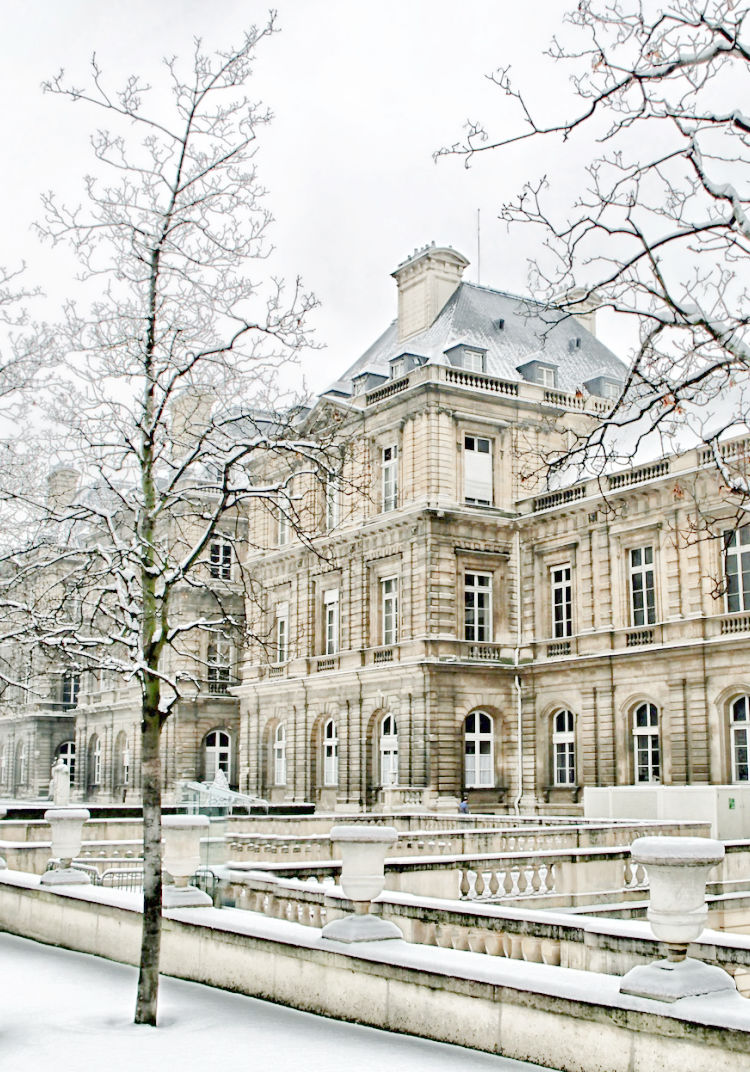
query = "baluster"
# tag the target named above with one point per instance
(522, 881)
(551, 951)
(479, 884)
(640, 875)
(536, 879)
(494, 883)
(532, 949)
(465, 886)
(508, 881)
(628, 873)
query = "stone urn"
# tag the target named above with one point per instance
(181, 857)
(66, 826)
(362, 850)
(677, 870)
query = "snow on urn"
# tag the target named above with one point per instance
(362, 850)
(67, 831)
(677, 869)
(181, 859)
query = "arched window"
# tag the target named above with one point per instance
(279, 755)
(6, 764)
(646, 749)
(388, 751)
(22, 763)
(330, 753)
(95, 761)
(738, 738)
(564, 747)
(217, 754)
(479, 767)
(67, 753)
(122, 761)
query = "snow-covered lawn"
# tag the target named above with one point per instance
(68, 1011)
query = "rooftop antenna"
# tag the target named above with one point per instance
(479, 249)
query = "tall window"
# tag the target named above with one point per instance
(6, 763)
(564, 747)
(331, 621)
(220, 559)
(67, 753)
(478, 750)
(95, 761)
(217, 754)
(477, 470)
(330, 754)
(219, 661)
(562, 602)
(122, 760)
(279, 755)
(388, 751)
(738, 743)
(282, 530)
(646, 743)
(642, 602)
(478, 606)
(389, 589)
(282, 632)
(333, 500)
(737, 566)
(389, 468)
(22, 763)
(71, 684)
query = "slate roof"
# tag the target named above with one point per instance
(530, 331)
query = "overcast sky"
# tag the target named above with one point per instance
(363, 94)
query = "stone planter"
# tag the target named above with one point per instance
(66, 825)
(677, 871)
(362, 850)
(181, 857)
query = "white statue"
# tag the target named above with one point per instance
(60, 783)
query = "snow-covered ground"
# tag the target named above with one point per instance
(68, 1011)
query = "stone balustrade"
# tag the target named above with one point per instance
(576, 940)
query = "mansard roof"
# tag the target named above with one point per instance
(512, 330)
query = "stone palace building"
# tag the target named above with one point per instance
(431, 619)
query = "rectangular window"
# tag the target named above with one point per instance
(389, 465)
(333, 501)
(478, 607)
(642, 600)
(562, 602)
(220, 560)
(282, 632)
(473, 361)
(547, 377)
(282, 534)
(219, 661)
(737, 568)
(477, 470)
(71, 684)
(389, 588)
(331, 621)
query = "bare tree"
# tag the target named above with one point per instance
(163, 402)
(657, 146)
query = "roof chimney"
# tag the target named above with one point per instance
(425, 281)
(581, 304)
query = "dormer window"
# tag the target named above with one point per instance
(474, 360)
(403, 363)
(398, 368)
(542, 372)
(604, 387)
(471, 358)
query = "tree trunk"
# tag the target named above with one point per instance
(148, 978)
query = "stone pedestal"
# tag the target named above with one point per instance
(181, 858)
(677, 870)
(362, 850)
(66, 827)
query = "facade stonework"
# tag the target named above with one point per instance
(430, 620)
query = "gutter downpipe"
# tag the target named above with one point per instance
(517, 678)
